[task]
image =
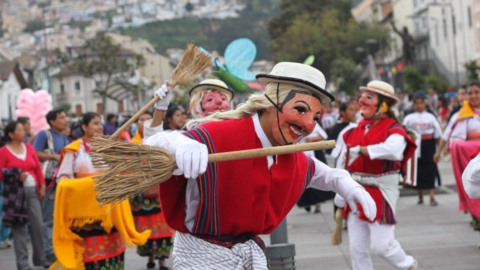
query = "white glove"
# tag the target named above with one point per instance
(192, 158)
(165, 95)
(339, 201)
(359, 195)
(354, 154)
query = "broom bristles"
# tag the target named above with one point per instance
(338, 231)
(192, 63)
(131, 168)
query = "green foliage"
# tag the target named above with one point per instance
(438, 83)
(472, 70)
(212, 34)
(34, 25)
(346, 74)
(65, 107)
(326, 31)
(189, 7)
(79, 24)
(413, 79)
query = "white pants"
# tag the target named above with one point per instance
(381, 238)
(192, 253)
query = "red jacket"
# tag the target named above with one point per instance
(237, 197)
(31, 164)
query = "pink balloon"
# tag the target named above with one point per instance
(35, 105)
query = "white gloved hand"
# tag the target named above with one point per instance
(165, 95)
(192, 158)
(359, 195)
(339, 201)
(354, 154)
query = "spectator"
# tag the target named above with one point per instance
(461, 97)
(329, 117)
(25, 121)
(173, 119)
(347, 116)
(48, 144)
(442, 112)
(19, 162)
(110, 126)
(432, 99)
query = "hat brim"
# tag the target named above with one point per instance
(325, 96)
(380, 92)
(202, 87)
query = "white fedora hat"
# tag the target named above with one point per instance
(300, 75)
(381, 88)
(213, 84)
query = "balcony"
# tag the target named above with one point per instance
(61, 98)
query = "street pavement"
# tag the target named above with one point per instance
(438, 237)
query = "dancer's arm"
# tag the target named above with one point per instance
(391, 149)
(340, 181)
(471, 178)
(155, 125)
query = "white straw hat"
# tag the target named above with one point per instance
(381, 88)
(300, 75)
(215, 84)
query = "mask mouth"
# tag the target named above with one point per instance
(297, 130)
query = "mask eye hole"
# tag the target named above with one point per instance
(300, 109)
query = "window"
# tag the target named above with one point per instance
(77, 87)
(469, 12)
(445, 28)
(454, 27)
(436, 33)
(62, 88)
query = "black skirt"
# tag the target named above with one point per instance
(313, 196)
(427, 169)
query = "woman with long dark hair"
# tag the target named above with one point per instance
(173, 119)
(21, 172)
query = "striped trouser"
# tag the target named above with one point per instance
(190, 252)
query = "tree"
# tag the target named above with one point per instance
(34, 25)
(108, 64)
(327, 33)
(472, 70)
(438, 83)
(189, 7)
(413, 79)
(346, 74)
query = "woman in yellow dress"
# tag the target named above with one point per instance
(87, 236)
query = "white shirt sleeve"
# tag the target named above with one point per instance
(149, 131)
(391, 149)
(66, 167)
(337, 180)
(448, 129)
(471, 178)
(437, 134)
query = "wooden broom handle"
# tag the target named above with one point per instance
(135, 117)
(271, 151)
(139, 113)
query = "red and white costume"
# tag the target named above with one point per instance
(219, 215)
(389, 147)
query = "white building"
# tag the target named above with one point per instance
(11, 83)
(444, 36)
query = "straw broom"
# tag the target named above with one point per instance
(338, 231)
(132, 169)
(193, 62)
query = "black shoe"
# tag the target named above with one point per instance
(163, 268)
(308, 209)
(420, 202)
(317, 211)
(151, 265)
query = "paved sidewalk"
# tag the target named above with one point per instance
(438, 237)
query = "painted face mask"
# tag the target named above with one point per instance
(368, 104)
(296, 117)
(213, 102)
